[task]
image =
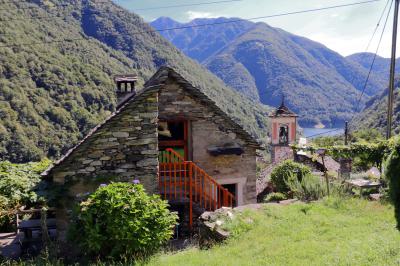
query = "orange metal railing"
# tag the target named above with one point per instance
(180, 179)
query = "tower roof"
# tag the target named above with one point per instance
(283, 110)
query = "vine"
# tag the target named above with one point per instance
(373, 153)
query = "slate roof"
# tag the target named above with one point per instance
(155, 83)
(283, 110)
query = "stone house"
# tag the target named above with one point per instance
(172, 138)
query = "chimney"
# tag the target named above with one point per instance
(125, 87)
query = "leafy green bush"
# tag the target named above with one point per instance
(310, 187)
(121, 220)
(392, 173)
(18, 185)
(275, 196)
(286, 171)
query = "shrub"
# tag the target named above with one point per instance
(121, 220)
(392, 173)
(286, 171)
(310, 187)
(275, 196)
(18, 185)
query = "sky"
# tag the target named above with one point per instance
(346, 30)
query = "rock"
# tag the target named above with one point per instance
(375, 197)
(210, 224)
(87, 161)
(147, 162)
(96, 163)
(90, 169)
(120, 134)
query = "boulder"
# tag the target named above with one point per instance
(211, 226)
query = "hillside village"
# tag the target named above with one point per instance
(169, 143)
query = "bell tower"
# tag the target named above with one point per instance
(283, 133)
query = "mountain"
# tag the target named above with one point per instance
(265, 63)
(381, 66)
(57, 62)
(375, 113)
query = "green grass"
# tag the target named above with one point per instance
(331, 232)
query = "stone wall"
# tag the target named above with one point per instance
(281, 153)
(123, 148)
(208, 128)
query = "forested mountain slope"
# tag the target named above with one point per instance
(375, 113)
(265, 63)
(380, 68)
(57, 61)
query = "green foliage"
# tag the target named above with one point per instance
(371, 135)
(240, 223)
(364, 154)
(392, 173)
(52, 94)
(285, 172)
(275, 197)
(18, 187)
(326, 235)
(309, 188)
(121, 220)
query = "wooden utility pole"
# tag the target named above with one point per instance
(392, 71)
(346, 133)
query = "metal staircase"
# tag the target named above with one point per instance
(184, 180)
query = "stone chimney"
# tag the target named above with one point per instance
(125, 87)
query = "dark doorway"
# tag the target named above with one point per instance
(232, 189)
(173, 134)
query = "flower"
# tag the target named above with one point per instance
(103, 185)
(136, 181)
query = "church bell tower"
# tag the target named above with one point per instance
(283, 133)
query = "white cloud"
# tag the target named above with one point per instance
(194, 14)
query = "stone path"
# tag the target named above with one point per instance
(9, 245)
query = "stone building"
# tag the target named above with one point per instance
(283, 133)
(171, 137)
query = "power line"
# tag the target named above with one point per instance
(377, 26)
(324, 133)
(268, 16)
(373, 60)
(372, 63)
(186, 5)
(232, 21)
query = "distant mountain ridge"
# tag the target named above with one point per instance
(265, 63)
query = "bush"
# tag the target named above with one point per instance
(18, 187)
(392, 173)
(122, 221)
(286, 171)
(311, 187)
(275, 196)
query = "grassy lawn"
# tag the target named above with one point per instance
(331, 232)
